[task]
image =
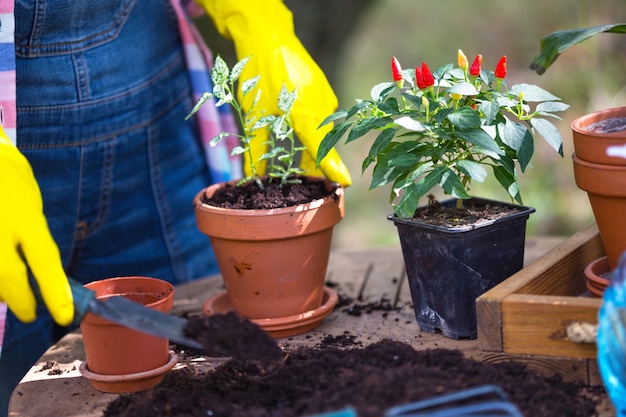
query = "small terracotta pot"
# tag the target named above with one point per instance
(119, 359)
(598, 273)
(591, 146)
(273, 262)
(603, 177)
(606, 188)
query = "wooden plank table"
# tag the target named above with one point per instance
(54, 386)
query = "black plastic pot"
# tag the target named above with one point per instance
(448, 268)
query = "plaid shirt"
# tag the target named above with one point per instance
(211, 120)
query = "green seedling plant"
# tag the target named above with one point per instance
(444, 128)
(282, 151)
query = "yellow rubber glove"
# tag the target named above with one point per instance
(23, 228)
(264, 30)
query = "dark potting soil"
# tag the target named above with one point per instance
(339, 373)
(231, 335)
(250, 196)
(473, 212)
(613, 124)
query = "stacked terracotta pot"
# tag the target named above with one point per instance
(600, 170)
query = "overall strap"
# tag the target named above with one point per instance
(8, 119)
(211, 120)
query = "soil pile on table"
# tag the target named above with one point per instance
(371, 379)
(232, 335)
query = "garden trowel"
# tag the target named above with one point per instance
(222, 334)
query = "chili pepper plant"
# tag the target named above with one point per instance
(446, 128)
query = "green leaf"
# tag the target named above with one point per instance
(405, 181)
(203, 99)
(273, 153)
(238, 68)
(508, 181)
(482, 141)
(452, 185)
(249, 85)
(507, 163)
(512, 134)
(384, 173)
(472, 169)
(364, 126)
(404, 160)
(393, 163)
(409, 76)
(222, 94)
(215, 139)
(389, 106)
(558, 42)
(444, 70)
(286, 99)
(382, 90)
(464, 118)
(490, 109)
(549, 107)
(219, 72)
(330, 140)
(409, 124)
(514, 192)
(532, 93)
(408, 203)
(237, 150)
(428, 182)
(464, 88)
(550, 133)
(360, 106)
(518, 137)
(263, 121)
(382, 141)
(335, 116)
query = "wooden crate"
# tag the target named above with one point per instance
(526, 317)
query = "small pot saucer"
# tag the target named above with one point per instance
(594, 289)
(596, 273)
(281, 326)
(118, 384)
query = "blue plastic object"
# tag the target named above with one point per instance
(486, 400)
(348, 412)
(611, 339)
(482, 401)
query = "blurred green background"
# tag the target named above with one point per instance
(353, 41)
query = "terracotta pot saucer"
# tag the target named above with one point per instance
(281, 326)
(598, 274)
(118, 384)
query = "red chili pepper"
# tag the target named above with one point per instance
(500, 71)
(396, 71)
(419, 80)
(475, 68)
(427, 76)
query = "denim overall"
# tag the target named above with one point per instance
(102, 95)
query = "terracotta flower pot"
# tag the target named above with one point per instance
(591, 146)
(273, 262)
(119, 359)
(603, 176)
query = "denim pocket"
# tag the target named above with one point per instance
(58, 27)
